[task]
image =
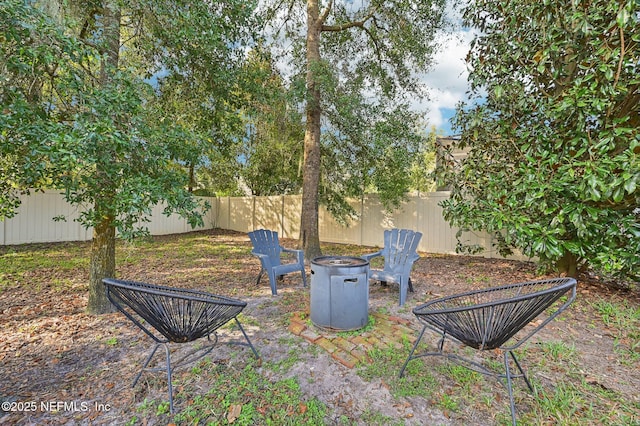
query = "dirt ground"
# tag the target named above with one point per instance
(53, 353)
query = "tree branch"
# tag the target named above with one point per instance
(325, 13)
(272, 11)
(86, 28)
(621, 61)
(347, 25)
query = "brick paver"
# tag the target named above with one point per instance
(345, 358)
(350, 348)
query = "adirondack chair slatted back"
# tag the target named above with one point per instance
(266, 242)
(399, 252)
(400, 247)
(266, 246)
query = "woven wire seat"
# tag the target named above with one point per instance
(173, 315)
(492, 319)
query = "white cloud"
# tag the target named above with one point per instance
(447, 81)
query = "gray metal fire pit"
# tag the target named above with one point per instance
(339, 292)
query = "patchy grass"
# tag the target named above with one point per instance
(36, 265)
(623, 320)
(244, 397)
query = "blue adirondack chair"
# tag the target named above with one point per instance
(399, 252)
(268, 249)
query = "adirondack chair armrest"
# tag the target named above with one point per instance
(299, 253)
(291, 250)
(264, 259)
(370, 256)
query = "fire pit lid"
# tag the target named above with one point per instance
(339, 261)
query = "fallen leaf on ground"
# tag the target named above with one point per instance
(234, 412)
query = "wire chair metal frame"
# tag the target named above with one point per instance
(174, 315)
(491, 319)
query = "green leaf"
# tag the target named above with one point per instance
(618, 194)
(630, 185)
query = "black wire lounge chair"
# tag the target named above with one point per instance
(491, 319)
(172, 315)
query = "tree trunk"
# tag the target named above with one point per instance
(309, 235)
(102, 265)
(568, 264)
(110, 40)
(103, 246)
(192, 177)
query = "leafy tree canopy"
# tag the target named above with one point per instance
(80, 114)
(271, 155)
(355, 68)
(554, 143)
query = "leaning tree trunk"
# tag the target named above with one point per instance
(309, 235)
(103, 247)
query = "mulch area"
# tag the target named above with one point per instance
(68, 367)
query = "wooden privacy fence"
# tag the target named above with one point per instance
(34, 222)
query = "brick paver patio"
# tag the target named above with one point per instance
(350, 348)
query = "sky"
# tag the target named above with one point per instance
(447, 82)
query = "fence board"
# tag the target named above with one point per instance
(292, 211)
(34, 221)
(268, 214)
(222, 213)
(331, 231)
(241, 214)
